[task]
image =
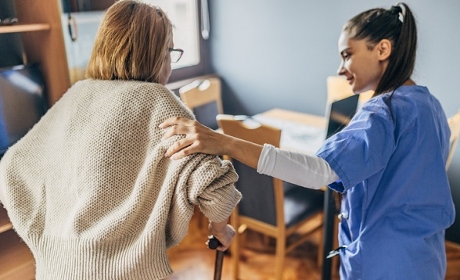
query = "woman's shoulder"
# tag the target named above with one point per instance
(159, 98)
(399, 104)
(412, 89)
(413, 104)
(414, 96)
(124, 94)
(122, 85)
(403, 96)
(133, 90)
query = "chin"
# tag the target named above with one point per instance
(357, 90)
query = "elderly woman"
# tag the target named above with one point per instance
(89, 188)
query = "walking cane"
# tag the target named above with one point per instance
(213, 243)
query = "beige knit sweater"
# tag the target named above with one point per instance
(91, 193)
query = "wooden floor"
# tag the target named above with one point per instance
(193, 260)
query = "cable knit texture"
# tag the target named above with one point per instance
(91, 193)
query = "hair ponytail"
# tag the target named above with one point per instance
(402, 60)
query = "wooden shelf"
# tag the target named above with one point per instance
(4, 221)
(16, 260)
(24, 28)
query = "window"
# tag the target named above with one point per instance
(183, 14)
(185, 17)
(191, 23)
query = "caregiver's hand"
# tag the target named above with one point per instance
(198, 138)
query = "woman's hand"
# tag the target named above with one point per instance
(198, 138)
(201, 139)
(224, 233)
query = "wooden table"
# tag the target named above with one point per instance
(297, 118)
(292, 116)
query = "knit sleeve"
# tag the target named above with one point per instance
(212, 187)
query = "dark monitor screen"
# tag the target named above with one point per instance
(340, 114)
(22, 102)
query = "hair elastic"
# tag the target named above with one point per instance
(401, 14)
(400, 10)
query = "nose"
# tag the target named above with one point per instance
(341, 70)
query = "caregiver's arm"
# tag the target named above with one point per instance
(304, 170)
(300, 169)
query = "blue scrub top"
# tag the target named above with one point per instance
(396, 200)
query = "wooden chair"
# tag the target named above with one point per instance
(267, 206)
(454, 125)
(203, 97)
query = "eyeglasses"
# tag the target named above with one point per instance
(176, 54)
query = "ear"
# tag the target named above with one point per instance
(384, 49)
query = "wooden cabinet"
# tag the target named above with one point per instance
(40, 29)
(39, 23)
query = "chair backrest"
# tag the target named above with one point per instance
(263, 195)
(454, 125)
(203, 97)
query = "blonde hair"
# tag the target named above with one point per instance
(132, 43)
